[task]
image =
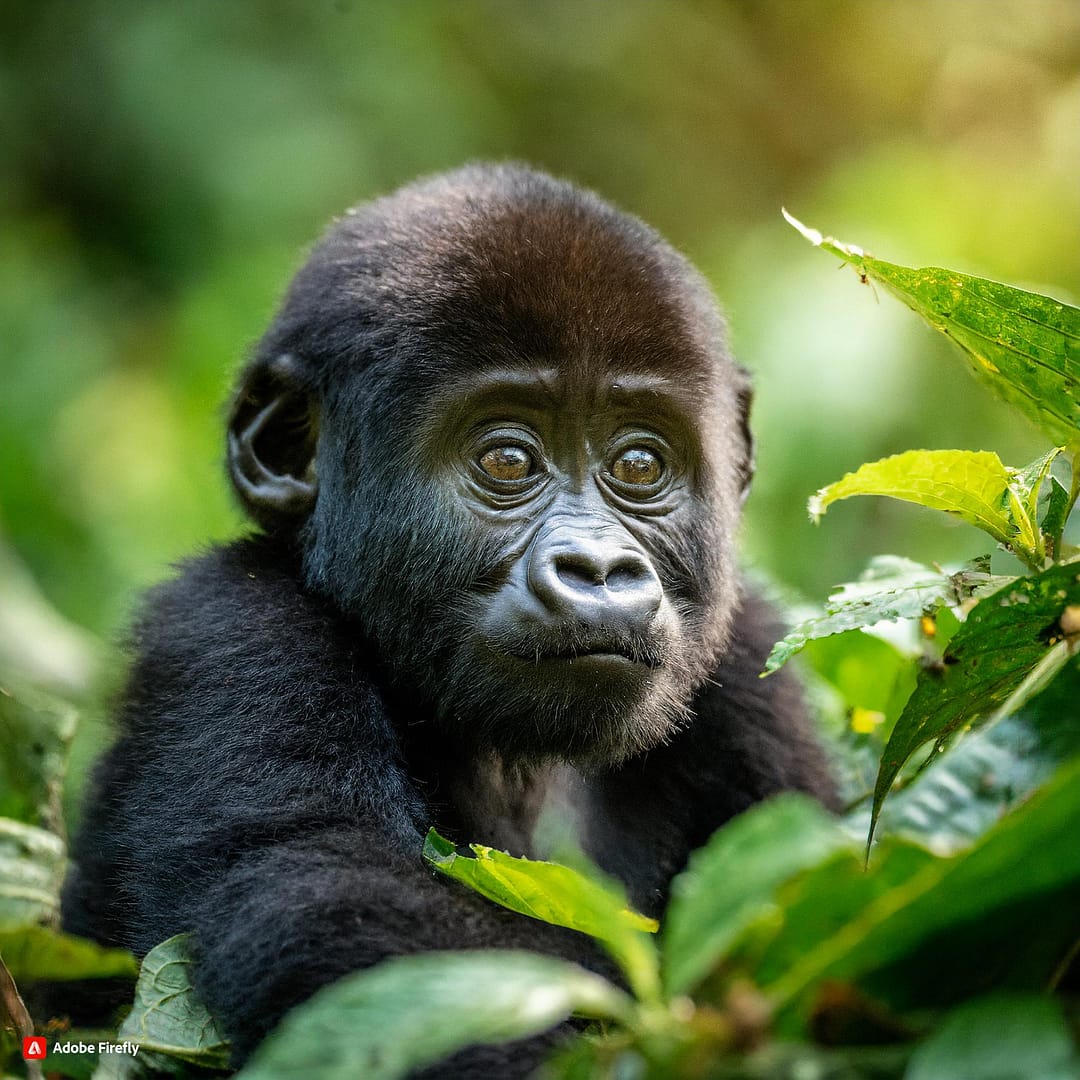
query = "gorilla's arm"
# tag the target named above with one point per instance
(295, 916)
(255, 797)
(749, 738)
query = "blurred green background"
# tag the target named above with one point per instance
(164, 165)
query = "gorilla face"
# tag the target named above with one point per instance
(572, 501)
(500, 420)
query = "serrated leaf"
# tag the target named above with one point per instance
(1005, 638)
(1025, 347)
(168, 1017)
(970, 484)
(733, 879)
(972, 787)
(556, 894)
(890, 588)
(412, 1011)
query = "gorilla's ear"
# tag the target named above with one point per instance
(273, 432)
(748, 463)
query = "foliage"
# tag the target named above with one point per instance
(415, 1010)
(1026, 348)
(782, 951)
(164, 162)
(809, 947)
(39, 726)
(1023, 346)
(556, 894)
(167, 1021)
(785, 940)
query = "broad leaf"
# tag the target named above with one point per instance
(168, 1017)
(807, 928)
(890, 588)
(35, 953)
(969, 790)
(731, 882)
(412, 1011)
(1010, 636)
(1004, 1037)
(916, 930)
(1024, 346)
(556, 894)
(973, 485)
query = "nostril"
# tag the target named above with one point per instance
(627, 575)
(583, 579)
(615, 571)
(578, 570)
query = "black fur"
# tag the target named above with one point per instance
(304, 704)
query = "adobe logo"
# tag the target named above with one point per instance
(33, 1048)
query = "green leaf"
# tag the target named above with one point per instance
(1023, 346)
(890, 588)
(969, 790)
(560, 895)
(1004, 1037)
(1005, 639)
(930, 932)
(809, 926)
(733, 879)
(36, 953)
(1025, 486)
(31, 870)
(167, 1016)
(973, 485)
(411, 1011)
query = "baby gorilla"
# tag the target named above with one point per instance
(497, 449)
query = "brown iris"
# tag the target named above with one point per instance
(507, 463)
(638, 467)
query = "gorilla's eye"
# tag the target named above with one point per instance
(638, 467)
(507, 463)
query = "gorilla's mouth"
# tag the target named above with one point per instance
(590, 653)
(569, 656)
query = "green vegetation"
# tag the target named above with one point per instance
(163, 165)
(947, 948)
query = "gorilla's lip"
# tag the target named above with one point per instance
(600, 653)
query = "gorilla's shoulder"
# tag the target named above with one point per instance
(236, 614)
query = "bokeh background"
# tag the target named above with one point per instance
(164, 165)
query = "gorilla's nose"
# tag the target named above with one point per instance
(596, 581)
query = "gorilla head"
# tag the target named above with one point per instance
(499, 421)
